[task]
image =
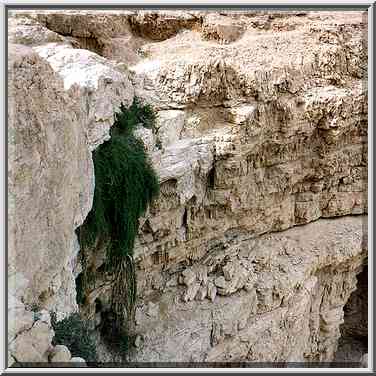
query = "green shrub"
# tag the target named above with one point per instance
(74, 333)
(125, 183)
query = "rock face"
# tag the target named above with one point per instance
(279, 298)
(261, 126)
(46, 147)
(60, 354)
(54, 123)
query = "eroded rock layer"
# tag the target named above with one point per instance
(274, 298)
(261, 126)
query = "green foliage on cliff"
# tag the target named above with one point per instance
(74, 333)
(125, 184)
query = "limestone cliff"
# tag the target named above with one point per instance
(261, 127)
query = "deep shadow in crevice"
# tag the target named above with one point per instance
(356, 310)
(354, 330)
(90, 43)
(211, 178)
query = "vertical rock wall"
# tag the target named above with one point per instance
(61, 106)
(262, 126)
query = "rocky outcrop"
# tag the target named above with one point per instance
(41, 154)
(58, 113)
(274, 298)
(42, 146)
(267, 142)
(261, 126)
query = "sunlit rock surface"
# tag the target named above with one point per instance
(261, 126)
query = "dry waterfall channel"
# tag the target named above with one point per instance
(255, 249)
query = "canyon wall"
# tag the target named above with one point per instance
(253, 247)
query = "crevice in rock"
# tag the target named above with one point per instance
(79, 289)
(185, 219)
(354, 331)
(146, 228)
(211, 178)
(90, 43)
(158, 27)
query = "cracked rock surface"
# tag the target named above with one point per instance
(252, 250)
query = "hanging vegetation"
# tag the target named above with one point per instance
(125, 184)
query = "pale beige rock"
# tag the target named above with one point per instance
(23, 30)
(42, 145)
(243, 115)
(60, 133)
(78, 362)
(32, 345)
(189, 276)
(212, 291)
(265, 130)
(169, 124)
(146, 136)
(106, 33)
(293, 272)
(152, 310)
(364, 361)
(20, 319)
(202, 293)
(202, 274)
(191, 292)
(220, 282)
(60, 353)
(221, 28)
(276, 162)
(103, 86)
(138, 341)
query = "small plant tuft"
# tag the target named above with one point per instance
(74, 333)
